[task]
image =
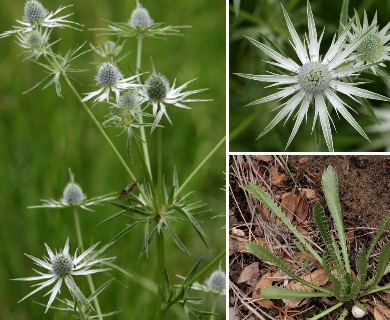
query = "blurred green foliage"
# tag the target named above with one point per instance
(266, 17)
(43, 135)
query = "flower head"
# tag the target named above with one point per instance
(140, 18)
(375, 47)
(109, 78)
(140, 25)
(36, 42)
(36, 15)
(125, 114)
(159, 93)
(60, 267)
(109, 49)
(216, 283)
(314, 79)
(73, 196)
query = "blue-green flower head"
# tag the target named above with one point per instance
(108, 75)
(157, 87)
(128, 100)
(34, 11)
(140, 18)
(73, 194)
(35, 39)
(217, 281)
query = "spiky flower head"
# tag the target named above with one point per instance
(73, 194)
(157, 87)
(217, 281)
(158, 92)
(109, 78)
(34, 11)
(375, 47)
(109, 49)
(35, 42)
(313, 79)
(60, 267)
(36, 15)
(108, 75)
(140, 18)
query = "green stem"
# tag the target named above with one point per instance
(199, 166)
(161, 307)
(327, 311)
(89, 278)
(159, 159)
(213, 307)
(140, 118)
(386, 287)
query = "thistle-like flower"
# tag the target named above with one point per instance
(216, 283)
(314, 79)
(109, 78)
(158, 93)
(36, 43)
(109, 49)
(73, 196)
(375, 47)
(36, 15)
(140, 25)
(61, 267)
(125, 114)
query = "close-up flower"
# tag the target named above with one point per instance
(140, 25)
(60, 268)
(36, 42)
(36, 15)
(314, 80)
(375, 47)
(73, 196)
(158, 92)
(110, 79)
(216, 283)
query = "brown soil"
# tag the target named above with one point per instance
(364, 182)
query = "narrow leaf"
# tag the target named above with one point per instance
(343, 16)
(383, 261)
(265, 254)
(284, 293)
(331, 192)
(378, 233)
(270, 203)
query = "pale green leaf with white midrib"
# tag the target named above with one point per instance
(331, 192)
(270, 203)
(285, 293)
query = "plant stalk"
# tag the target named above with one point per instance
(161, 309)
(200, 166)
(89, 278)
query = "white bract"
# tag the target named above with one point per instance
(110, 79)
(36, 15)
(158, 93)
(61, 267)
(314, 79)
(374, 48)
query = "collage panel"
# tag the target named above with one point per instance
(308, 237)
(309, 76)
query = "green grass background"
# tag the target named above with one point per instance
(246, 123)
(43, 135)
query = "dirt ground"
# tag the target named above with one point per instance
(295, 182)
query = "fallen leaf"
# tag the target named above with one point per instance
(265, 158)
(233, 314)
(265, 281)
(276, 177)
(249, 273)
(265, 212)
(301, 210)
(237, 232)
(378, 315)
(382, 308)
(313, 177)
(317, 277)
(309, 193)
(303, 160)
(350, 236)
(289, 204)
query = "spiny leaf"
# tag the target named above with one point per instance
(331, 192)
(383, 260)
(285, 293)
(331, 245)
(270, 203)
(343, 16)
(265, 254)
(378, 234)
